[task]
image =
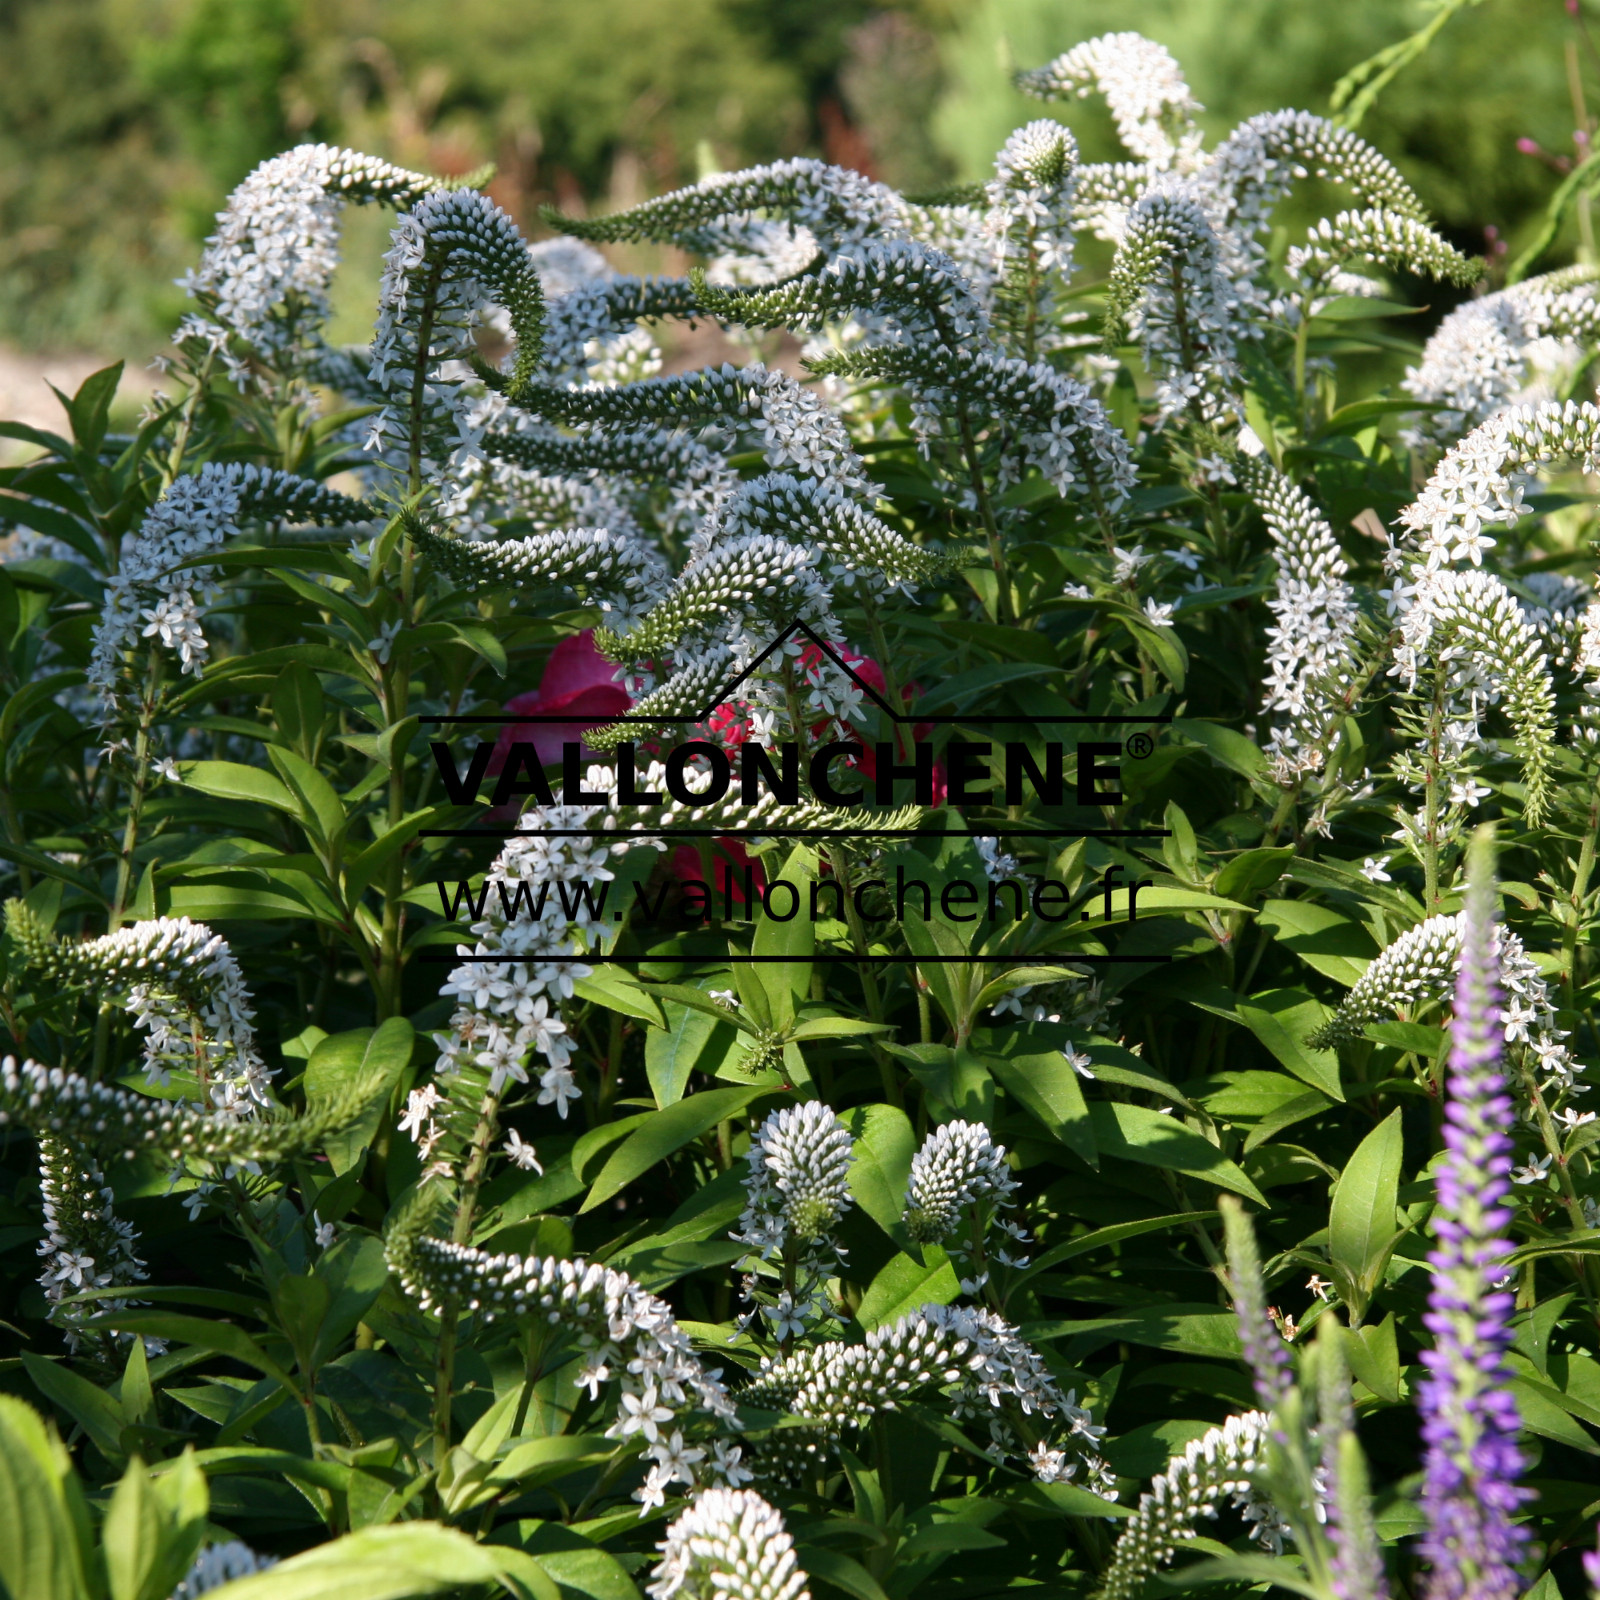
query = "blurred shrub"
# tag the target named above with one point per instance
(123, 123)
(1244, 56)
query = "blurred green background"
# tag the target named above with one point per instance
(124, 123)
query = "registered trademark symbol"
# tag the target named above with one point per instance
(1140, 745)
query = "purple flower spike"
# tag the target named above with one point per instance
(1469, 1419)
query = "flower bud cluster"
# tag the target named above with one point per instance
(797, 430)
(265, 273)
(1255, 166)
(626, 1335)
(52, 1101)
(1419, 968)
(1170, 283)
(975, 1357)
(86, 1244)
(729, 1545)
(836, 206)
(797, 1188)
(1394, 239)
(615, 571)
(1312, 639)
(1479, 481)
(194, 517)
(799, 1180)
(1222, 1462)
(858, 547)
(1144, 89)
(912, 288)
(593, 332)
(1058, 427)
(699, 478)
(1475, 629)
(959, 1165)
(452, 255)
(1502, 349)
(184, 988)
(1030, 200)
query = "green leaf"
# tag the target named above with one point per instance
(231, 780)
(581, 1568)
(365, 865)
(692, 1040)
(1189, 1330)
(90, 408)
(787, 982)
(44, 1550)
(1253, 870)
(955, 1079)
(1103, 1238)
(620, 991)
(1327, 941)
(881, 1170)
(1373, 1353)
(153, 1529)
(905, 1286)
(371, 1059)
(1579, 1242)
(86, 1403)
(354, 1271)
(392, 1563)
(538, 1461)
(661, 1134)
(837, 1028)
(221, 1337)
(317, 802)
(1033, 1071)
(1283, 1020)
(1227, 747)
(1270, 1571)
(1134, 1133)
(135, 1397)
(1361, 1222)
(838, 1569)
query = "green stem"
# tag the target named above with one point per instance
(483, 1137)
(1430, 838)
(1005, 613)
(1580, 894)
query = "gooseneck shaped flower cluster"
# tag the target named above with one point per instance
(159, 583)
(117, 1122)
(1470, 1492)
(1314, 614)
(86, 1244)
(1502, 349)
(184, 988)
(729, 1545)
(1221, 1464)
(265, 274)
(975, 1357)
(626, 1335)
(1419, 969)
(1144, 89)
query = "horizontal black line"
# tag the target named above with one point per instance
(855, 961)
(911, 717)
(794, 833)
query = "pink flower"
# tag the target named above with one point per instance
(580, 684)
